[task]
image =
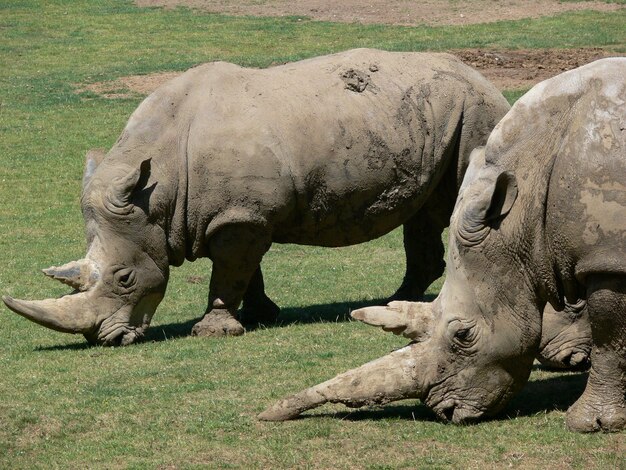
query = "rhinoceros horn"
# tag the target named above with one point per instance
(92, 160)
(80, 275)
(67, 314)
(395, 376)
(412, 320)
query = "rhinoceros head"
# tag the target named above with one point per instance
(122, 279)
(471, 350)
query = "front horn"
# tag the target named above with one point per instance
(67, 314)
(389, 378)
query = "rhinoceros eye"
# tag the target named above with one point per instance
(125, 279)
(464, 334)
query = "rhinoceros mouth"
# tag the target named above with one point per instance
(128, 323)
(117, 329)
(457, 412)
(121, 335)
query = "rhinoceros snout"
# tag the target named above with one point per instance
(457, 413)
(571, 358)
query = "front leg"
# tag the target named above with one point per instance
(236, 251)
(602, 406)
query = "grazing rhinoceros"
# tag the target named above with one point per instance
(542, 220)
(223, 160)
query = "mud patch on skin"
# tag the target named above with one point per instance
(508, 70)
(356, 80)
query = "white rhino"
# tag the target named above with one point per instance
(543, 219)
(223, 161)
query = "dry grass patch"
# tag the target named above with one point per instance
(128, 87)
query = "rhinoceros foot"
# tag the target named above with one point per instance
(217, 323)
(587, 415)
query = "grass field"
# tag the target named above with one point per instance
(175, 401)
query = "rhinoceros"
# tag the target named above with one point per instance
(543, 219)
(223, 161)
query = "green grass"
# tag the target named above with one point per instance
(186, 402)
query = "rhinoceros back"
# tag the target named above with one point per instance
(333, 150)
(329, 151)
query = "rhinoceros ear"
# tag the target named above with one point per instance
(120, 192)
(488, 202)
(92, 160)
(503, 196)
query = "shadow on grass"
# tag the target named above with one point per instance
(538, 396)
(411, 410)
(329, 313)
(65, 347)
(322, 313)
(556, 393)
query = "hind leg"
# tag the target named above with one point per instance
(602, 406)
(424, 252)
(257, 307)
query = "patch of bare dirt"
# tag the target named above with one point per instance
(521, 69)
(507, 69)
(398, 12)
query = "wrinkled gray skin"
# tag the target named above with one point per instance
(541, 220)
(223, 161)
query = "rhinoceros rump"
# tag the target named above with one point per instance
(542, 220)
(223, 160)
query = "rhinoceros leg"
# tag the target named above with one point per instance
(236, 251)
(257, 307)
(602, 406)
(424, 254)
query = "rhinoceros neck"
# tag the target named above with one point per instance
(530, 152)
(158, 130)
(176, 225)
